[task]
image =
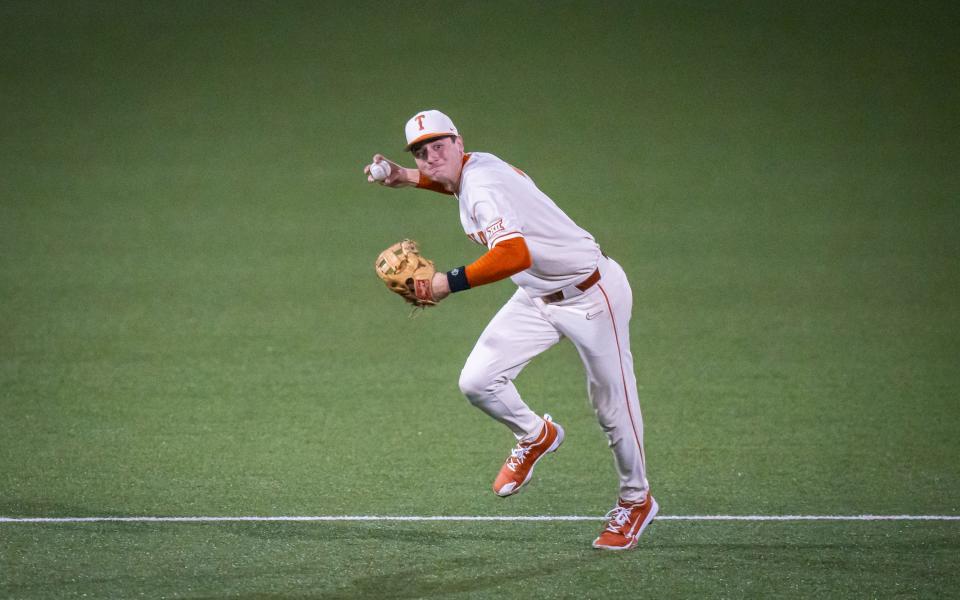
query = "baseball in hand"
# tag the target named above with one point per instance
(380, 170)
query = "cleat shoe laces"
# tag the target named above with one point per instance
(517, 455)
(617, 518)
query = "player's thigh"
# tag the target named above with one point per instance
(598, 321)
(608, 363)
(515, 335)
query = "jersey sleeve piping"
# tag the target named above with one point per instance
(510, 235)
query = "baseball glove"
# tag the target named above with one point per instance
(407, 273)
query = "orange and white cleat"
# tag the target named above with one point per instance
(518, 468)
(625, 523)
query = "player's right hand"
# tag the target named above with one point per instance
(398, 176)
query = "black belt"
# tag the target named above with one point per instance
(583, 286)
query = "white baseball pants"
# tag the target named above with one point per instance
(598, 323)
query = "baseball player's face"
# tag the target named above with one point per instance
(441, 160)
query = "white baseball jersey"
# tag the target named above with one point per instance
(499, 202)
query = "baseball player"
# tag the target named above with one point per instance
(567, 288)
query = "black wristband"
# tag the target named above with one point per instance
(457, 279)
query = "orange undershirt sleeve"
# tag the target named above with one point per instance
(425, 183)
(503, 260)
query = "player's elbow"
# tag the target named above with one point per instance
(525, 259)
(505, 259)
(517, 256)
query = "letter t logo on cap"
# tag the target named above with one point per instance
(427, 124)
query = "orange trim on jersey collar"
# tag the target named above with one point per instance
(463, 163)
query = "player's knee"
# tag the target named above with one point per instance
(474, 386)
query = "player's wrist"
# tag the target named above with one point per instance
(457, 279)
(411, 177)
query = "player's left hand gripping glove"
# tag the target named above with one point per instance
(407, 273)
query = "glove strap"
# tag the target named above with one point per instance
(423, 289)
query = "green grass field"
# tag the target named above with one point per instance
(190, 324)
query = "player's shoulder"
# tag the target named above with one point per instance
(483, 168)
(481, 161)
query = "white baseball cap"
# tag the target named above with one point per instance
(428, 124)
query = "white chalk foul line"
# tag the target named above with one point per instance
(464, 518)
